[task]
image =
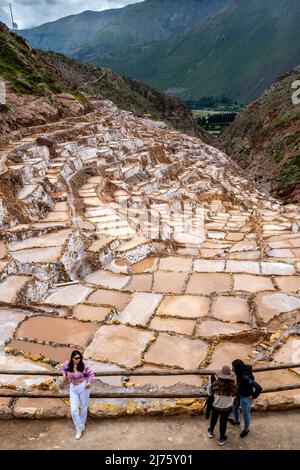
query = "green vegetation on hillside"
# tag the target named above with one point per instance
(5, 108)
(69, 33)
(290, 174)
(214, 122)
(127, 93)
(237, 52)
(31, 72)
(214, 103)
(23, 70)
(265, 139)
(117, 29)
(145, 22)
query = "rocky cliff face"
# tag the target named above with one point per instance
(32, 92)
(38, 88)
(265, 139)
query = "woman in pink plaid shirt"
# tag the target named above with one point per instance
(80, 376)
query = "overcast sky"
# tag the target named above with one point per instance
(29, 13)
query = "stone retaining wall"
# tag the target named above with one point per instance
(44, 408)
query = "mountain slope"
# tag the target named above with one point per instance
(44, 87)
(70, 32)
(237, 53)
(265, 139)
(148, 21)
(103, 32)
(126, 93)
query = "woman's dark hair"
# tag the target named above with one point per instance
(238, 367)
(80, 365)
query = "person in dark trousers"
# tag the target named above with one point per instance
(224, 390)
(247, 391)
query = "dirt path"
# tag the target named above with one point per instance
(269, 431)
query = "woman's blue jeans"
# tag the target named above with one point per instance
(245, 404)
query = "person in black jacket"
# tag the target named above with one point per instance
(248, 390)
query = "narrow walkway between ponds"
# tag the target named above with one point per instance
(270, 431)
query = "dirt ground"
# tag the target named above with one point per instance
(270, 431)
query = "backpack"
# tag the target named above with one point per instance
(257, 389)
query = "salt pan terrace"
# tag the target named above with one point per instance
(180, 262)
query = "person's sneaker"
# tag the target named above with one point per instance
(244, 433)
(234, 423)
(210, 434)
(78, 435)
(222, 441)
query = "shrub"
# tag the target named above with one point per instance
(5, 108)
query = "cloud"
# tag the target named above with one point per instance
(4, 17)
(30, 13)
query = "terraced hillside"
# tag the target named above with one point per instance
(175, 260)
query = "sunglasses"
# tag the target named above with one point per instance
(77, 358)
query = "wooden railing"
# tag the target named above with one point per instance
(135, 393)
